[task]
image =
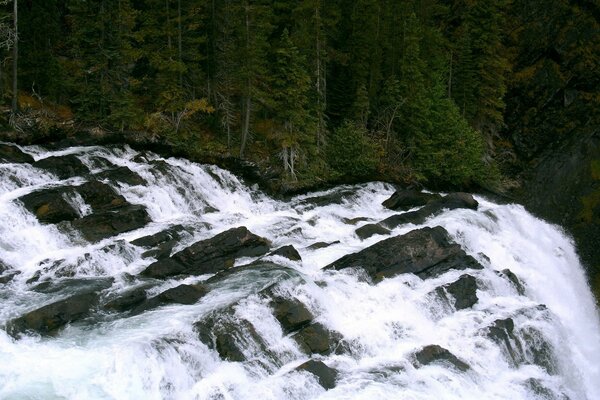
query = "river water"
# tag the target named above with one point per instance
(158, 354)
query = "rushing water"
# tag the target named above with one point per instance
(158, 354)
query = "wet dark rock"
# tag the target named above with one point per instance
(335, 197)
(406, 199)
(288, 252)
(49, 318)
(121, 175)
(537, 387)
(366, 231)
(291, 313)
(434, 354)
(228, 335)
(182, 294)
(354, 221)
(8, 276)
(210, 255)
(63, 167)
(449, 202)
(321, 245)
(508, 274)
(73, 285)
(325, 375)
(127, 300)
(100, 196)
(464, 291)
(502, 332)
(425, 252)
(315, 338)
(12, 154)
(50, 205)
(172, 233)
(101, 225)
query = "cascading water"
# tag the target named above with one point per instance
(549, 347)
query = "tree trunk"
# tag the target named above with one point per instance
(15, 104)
(246, 126)
(179, 43)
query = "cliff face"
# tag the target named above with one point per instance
(564, 188)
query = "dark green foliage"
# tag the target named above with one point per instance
(350, 152)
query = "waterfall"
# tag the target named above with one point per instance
(531, 291)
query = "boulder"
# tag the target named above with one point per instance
(63, 167)
(288, 252)
(464, 291)
(291, 313)
(512, 278)
(49, 318)
(101, 225)
(210, 255)
(100, 196)
(425, 252)
(366, 231)
(6, 273)
(354, 221)
(502, 332)
(321, 245)
(435, 354)
(50, 206)
(409, 198)
(449, 202)
(325, 375)
(121, 175)
(73, 285)
(12, 154)
(182, 294)
(315, 338)
(161, 242)
(127, 301)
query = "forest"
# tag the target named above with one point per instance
(439, 93)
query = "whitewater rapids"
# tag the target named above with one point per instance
(159, 355)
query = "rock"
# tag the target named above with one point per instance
(12, 154)
(354, 221)
(325, 375)
(288, 252)
(291, 313)
(425, 252)
(100, 196)
(434, 354)
(315, 338)
(48, 319)
(7, 277)
(321, 245)
(366, 231)
(449, 202)
(172, 233)
(409, 198)
(127, 300)
(464, 291)
(50, 205)
(229, 336)
(63, 167)
(101, 225)
(182, 294)
(508, 274)
(210, 255)
(335, 197)
(121, 175)
(73, 285)
(502, 332)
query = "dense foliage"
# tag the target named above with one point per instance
(412, 90)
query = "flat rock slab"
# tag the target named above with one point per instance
(101, 225)
(325, 375)
(424, 252)
(435, 354)
(211, 255)
(49, 318)
(12, 154)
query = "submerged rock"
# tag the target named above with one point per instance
(210, 255)
(127, 301)
(317, 339)
(325, 375)
(407, 199)
(449, 202)
(48, 319)
(12, 154)
(434, 354)
(63, 167)
(366, 231)
(464, 291)
(291, 313)
(288, 252)
(110, 222)
(425, 252)
(322, 245)
(121, 175)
